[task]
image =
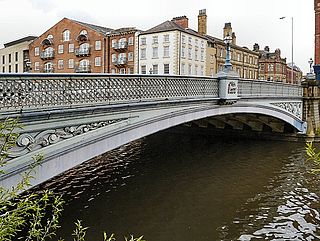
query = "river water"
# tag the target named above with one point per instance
(171, 187)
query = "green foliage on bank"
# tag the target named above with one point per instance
(313, 155)
(26, 215)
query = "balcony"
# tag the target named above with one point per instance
(120, 46)
(121, 62)
(83, 69)
(80, 52)
(48, 70)
(47, 55)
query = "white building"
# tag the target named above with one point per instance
(14, 57)
(171, 48)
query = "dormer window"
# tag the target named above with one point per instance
(84, 32)
(66, 35)
(50, 36)
(83, 36)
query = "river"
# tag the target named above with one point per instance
(173, 187)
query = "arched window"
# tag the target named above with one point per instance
(66, 35)
(48, 67)
(84, 63)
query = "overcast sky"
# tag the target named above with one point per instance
(253, 21)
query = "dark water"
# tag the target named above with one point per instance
(189, 188)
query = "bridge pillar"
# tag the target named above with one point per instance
(311, 103)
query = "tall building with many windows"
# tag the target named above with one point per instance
(14, 57)
(171, 48)
(71, 47)
(122, 48)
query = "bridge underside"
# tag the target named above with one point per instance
(77, 136)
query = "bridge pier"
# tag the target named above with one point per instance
(311, 103)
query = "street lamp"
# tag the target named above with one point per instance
(291, 47)
(228, 66)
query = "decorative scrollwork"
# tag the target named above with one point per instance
(294, 108)
(27, 142)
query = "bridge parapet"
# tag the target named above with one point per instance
(36, 91)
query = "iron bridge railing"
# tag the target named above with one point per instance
(21, 91)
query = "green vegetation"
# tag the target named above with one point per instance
(31, 216)
(313, 155)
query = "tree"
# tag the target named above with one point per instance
(313, 155)
(31, 216)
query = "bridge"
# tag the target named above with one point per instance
(70, 119)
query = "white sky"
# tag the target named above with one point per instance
(253, 21)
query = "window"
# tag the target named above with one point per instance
(50, 36)
(36, 51)
(189, 71)
(155, 69)
(3, 59)
(201, 71)
(143, 69)
(122, 71)
(183, 52)
(130, 41)
(130, 70)
(9, 58)
(154, 39)
(60, 49)
(196, 70)
(114, 58)
(270, 67)
(71, 64)
(166, 38)
(97, 61)
(113, 71)
(166, 69)
(143, 54)
(16, 68)
(202, 55)
(60, 64)
(3, 69)
(9, 68)
(66, 35)
(17, 56)
(239, 57)
(183, 39)
(190, 53)
(98, 45)
(83, 32)
(155, 52)
(71, 48)
(190, 40)
(196, 42)
(183, 68)
(166, 51)
(143, 41)
(196, 54)
(36, 66)
(130, 56)
(114, 43)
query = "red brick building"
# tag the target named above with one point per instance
(272, 66)
(317, 32)
(71, 46)
(297, 74)
(121, 54)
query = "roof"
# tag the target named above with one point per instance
(220, 41)
(18, 41)
(97, 28)
(171, 26)
(125, 30)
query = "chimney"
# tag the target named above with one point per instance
(202, 22)
(234, 38)
(183, 21)
(227, 30)
(256, 47)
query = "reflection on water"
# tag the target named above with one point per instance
(181, 188)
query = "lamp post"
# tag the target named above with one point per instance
(227, 65)
(291, 47)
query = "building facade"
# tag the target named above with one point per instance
(122, 48)
(14, 57)
(272, 66)
(243, 60)
(297, 74)
(71, 47)
(171, 48)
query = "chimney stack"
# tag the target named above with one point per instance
(183, 21)
(256, 47)
(202, 22)
(227, 30)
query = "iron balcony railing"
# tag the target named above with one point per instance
(83, 69)
(82, 51)
(23, 91)
(47, 55)
(120, 46)
(48, 70)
